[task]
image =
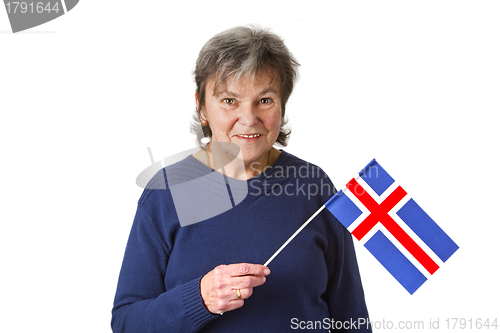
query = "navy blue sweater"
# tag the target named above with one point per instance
(314, 282)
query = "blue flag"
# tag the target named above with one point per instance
(393, 227)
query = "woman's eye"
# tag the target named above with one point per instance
(228, 101)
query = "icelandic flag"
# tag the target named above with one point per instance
(393, 227)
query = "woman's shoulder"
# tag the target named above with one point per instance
(159, 185)
(299, 167)
(167, 194)
(303, 173)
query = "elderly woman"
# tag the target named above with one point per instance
(205, 275)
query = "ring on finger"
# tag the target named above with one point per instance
(238, 293)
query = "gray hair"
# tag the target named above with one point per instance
(242, 52)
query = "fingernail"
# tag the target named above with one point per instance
(267, 271)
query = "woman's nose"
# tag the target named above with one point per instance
(248, 115)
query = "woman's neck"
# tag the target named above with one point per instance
(234, 166)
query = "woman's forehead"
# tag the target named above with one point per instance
(264, 80)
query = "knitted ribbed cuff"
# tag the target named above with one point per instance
(193, 303)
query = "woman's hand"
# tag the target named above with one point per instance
(221, 287)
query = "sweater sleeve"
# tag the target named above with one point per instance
(345, 292)
(142, 303)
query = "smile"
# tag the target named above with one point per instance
(248, 136)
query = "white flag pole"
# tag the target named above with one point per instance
(295, 234)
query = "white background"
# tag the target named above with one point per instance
(414, 84)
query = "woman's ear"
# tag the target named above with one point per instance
(201, 115)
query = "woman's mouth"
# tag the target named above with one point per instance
(248, 136)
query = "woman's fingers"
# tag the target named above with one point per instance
(244, 293)
(248, 269)
(221, 287)
(241, 282)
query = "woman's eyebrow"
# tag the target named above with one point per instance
(269, 90)
(227, 93)
(233, 94)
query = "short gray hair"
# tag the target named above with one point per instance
(240, 52)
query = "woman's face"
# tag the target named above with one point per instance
(247, 113)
